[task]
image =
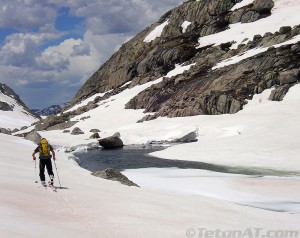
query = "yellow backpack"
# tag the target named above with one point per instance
(44, 147)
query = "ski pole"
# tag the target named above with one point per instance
(35, 171)
(57, 174)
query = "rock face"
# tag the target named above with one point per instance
(114, 175)
(202, 89)
(111, 142)
(140, 62)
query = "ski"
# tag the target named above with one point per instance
(52, 187)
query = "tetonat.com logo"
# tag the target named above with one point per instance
(247, 233)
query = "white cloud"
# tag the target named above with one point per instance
(21, 49)
(81, 50)
(52, 60)
(26, 14)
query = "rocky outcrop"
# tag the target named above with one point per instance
(226, 89)
(111, 142)
(252, 12)
(5, 131)
(202, 89)
(6, 107)
(60, 122)
(114, 175)
(139, 62)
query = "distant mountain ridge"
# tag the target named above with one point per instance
(51, 110)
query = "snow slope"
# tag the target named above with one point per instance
(91, 207)
(284, 13)
(14, 119)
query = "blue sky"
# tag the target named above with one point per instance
(48, 49)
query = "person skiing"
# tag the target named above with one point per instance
(44, 149)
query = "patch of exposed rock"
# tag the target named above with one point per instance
(5, 131)
(114, 175)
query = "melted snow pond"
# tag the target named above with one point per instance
(265, 189)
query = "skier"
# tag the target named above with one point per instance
(44, 149)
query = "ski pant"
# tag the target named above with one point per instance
(48, 164)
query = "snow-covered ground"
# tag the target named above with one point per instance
(91, 207)
(16, 118)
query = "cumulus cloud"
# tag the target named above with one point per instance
(22, 49)
(26, 14)
(52, 60)
(114, 16)
(81, 49)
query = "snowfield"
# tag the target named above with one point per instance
(171, 202)
(16, 118)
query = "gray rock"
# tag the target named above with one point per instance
(288, 77)
(95, 130)
(114, 175)
(278, 93)
(5, 131)
(6, 107)
(66, 131)
(95, 136)
(33, 136)
(62, 126)
(77, 131)
(111, 142)
(117, 134)
(285, 29)
(190, 137)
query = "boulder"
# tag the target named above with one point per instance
(114, 175)
(289, 76)
(33, 136)
(190, 137)
(77, 131)
(111, 142)
(95, 130)
(95, 136)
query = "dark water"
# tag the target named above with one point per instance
(135, 157)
